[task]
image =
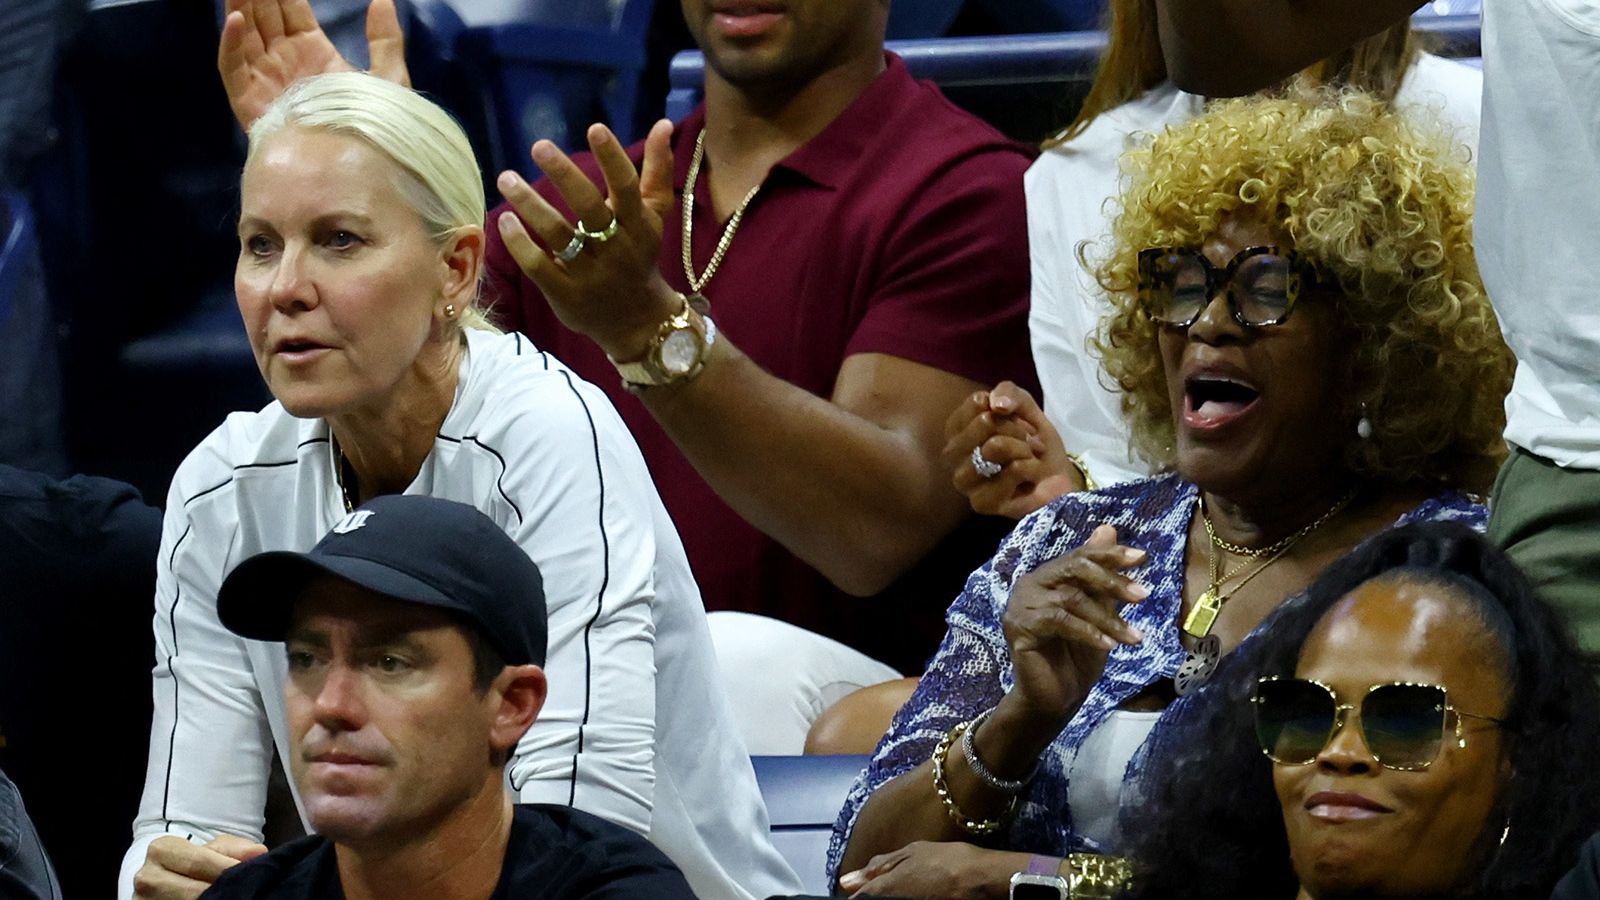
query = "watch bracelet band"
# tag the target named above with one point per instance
(970, 751)
(632, 372)
(941, 787)
(1045, 865)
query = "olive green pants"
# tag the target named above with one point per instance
(1548, 520)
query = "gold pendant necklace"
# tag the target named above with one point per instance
(697, 283)
(1203, 615)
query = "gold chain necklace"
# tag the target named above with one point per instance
(1197, 624)
(698, 282)
(1274, 549)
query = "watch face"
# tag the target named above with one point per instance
(1027, 886)
(1036, 892)
(679, 352)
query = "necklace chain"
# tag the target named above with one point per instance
(697, 283)
(1280, 546)
(1206, 609)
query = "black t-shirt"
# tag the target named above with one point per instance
(554, 853)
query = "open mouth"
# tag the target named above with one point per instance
(1213, 398)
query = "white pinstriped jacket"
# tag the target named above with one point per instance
(635, 728)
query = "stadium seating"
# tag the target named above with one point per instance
(1014, 60)
(804, 795)
(551, 81)
(922, 18)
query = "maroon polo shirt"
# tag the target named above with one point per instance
(900, 229)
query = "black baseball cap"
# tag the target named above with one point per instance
(418, 549)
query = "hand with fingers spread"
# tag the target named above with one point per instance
(1062, 622)
(176, 869)
(268, 45)
(598, 272)
(1007, 427)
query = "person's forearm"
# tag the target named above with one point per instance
(908, 808)
(1227, 48)
(860, 502)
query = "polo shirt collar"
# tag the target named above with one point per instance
(836, 149)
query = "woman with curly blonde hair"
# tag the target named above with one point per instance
(1069, 189)
(1391, 229)
(1306, 352)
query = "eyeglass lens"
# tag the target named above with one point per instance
(1179, 284)
(1402, 724)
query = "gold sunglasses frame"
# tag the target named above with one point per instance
(1450, 720)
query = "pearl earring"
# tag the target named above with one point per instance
(1364, 426)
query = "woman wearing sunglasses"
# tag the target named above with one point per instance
(1417, 724)
(1304, 349)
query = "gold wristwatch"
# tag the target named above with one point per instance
(677, 353)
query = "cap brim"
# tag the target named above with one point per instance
(257, 598)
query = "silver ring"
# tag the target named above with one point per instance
(573, 248)
(985, 467)
(601, 236)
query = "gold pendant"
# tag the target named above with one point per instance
(699, 303)
(1202, 615)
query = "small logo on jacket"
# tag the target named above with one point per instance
(352, 521)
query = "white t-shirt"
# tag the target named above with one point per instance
(635, 728)
(1099, 775)
(1069, 189)
(1537, 215)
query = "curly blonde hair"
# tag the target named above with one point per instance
(1384, 209)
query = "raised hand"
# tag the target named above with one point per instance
(1011, 431)
(608, 289)
(1062, 622)
(268, 45)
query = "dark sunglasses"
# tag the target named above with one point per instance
(1263, 283)
(1403, 724)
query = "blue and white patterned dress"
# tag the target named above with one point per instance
(972, 669)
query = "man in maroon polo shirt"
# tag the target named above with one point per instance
(872, 272)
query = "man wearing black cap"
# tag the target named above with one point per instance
(414, 636)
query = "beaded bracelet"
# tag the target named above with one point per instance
(942, 788)
(970, 751)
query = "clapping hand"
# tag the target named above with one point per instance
(608, 288)
(268, 45)
(1009, 429)
(1062, 622)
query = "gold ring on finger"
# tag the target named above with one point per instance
(573, 248)
(601, 236)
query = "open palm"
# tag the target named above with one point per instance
(268, 45)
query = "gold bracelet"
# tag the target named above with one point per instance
(1092, 876)
(942, 788)
(1083, 471)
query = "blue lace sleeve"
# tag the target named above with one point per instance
(965, 677)
(972, 669)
